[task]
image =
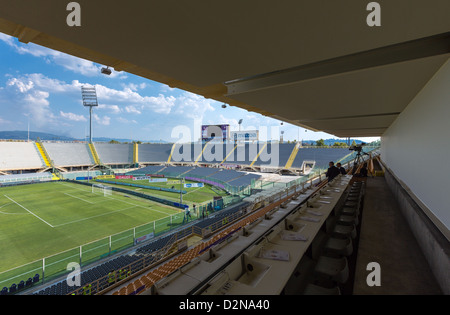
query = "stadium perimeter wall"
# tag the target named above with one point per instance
(415, 150)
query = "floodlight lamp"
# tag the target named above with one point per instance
(106, 71)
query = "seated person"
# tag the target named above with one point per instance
(363, 171)
(341, 169)
(332, 171)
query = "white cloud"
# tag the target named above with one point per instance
(30, 95)
(53, 85)
(68, 62)
(159, 104)
(165, 88)
(105, 120)
(193, 106)
(77, 65)
(37, 105)
(40, 97)
(126, 121)
(134, 86)
(132, 110)
(22, 86)
(72, 116)
(233, 122)
(114, 109)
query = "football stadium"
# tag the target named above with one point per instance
(138, 201)
(232, 212)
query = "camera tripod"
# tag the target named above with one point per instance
(358, 159)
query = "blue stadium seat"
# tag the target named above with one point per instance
(13, 288)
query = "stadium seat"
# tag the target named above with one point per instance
(19, 155)
(117, 153)
(69, 154)
(335, 269)
(29, 282)
(21, 285)
(301, 276)
(13, 288)
(344, 231)
(350, 211)
(339, 246)
(347, 219)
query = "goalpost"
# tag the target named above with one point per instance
(101, 189)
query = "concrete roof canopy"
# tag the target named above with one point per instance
(315, 65)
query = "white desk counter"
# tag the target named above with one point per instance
(244, 268)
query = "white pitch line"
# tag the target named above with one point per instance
(137, 205)
(120, 200)
(7, 204)
(193, 191)
(29, 211)
(95, 216)
(78, 198)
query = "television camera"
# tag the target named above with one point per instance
(359, 154)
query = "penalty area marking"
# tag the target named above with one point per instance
(116, 199)
(79, 198)
(29, 211)
(10, 213)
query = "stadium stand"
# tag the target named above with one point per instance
(202, 171)
(273, 154)
(43, 155)
(19, 156)
(100, 271)
(244, 180)
(69, 154)
(322, 156)
(151, 169)
(27, 177)
(186, 152)
(175, 171)
(132, 259)
(88, 276)
(154, 153)
(79, 154)
(226, 175)
(113, 153)
(256, 155)
(75, 175)
(154, 246)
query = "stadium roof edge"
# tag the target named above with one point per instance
(310, 68)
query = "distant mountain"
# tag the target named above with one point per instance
(23, 135)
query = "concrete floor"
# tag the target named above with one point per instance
(385, 238)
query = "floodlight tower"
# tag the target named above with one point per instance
(89, 95)
(240, 123)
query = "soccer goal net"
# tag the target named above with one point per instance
(101, 189)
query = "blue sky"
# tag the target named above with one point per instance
(42, 87)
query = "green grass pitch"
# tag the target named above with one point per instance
(40, 220)
(194, 195)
